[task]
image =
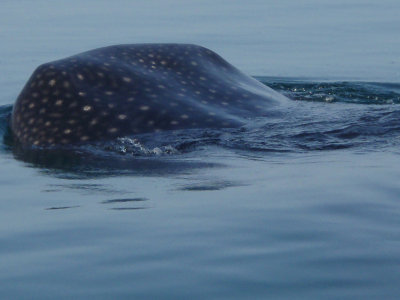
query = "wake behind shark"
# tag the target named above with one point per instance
(130, 89)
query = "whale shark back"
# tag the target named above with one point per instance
(128, 89)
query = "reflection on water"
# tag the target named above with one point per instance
(61, 207)
(123, 200)
(312, 225)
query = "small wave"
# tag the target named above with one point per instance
(348, 92)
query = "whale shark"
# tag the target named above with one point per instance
(123, 90)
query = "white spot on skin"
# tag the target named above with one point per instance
(127, 79)
(122, 117)
(82, 94)
(59, 102)
(108, 93)
(84, 138)
(93, 122)
(67, 131)
(66, 84)
(48, 123)
(113, 130)
(80, 76)
(202, 78)
(174, 122)
(32, 105)
(184, 117)
(87, 108)
(144, 107)
(193, 63)
(52, 82)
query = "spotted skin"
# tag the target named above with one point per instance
(128, 89)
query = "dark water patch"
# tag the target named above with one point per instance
(128, 208)
(5, 132)
(61, 207)
(89, 188)
(211, 186)
(123, 200)
(51, 190)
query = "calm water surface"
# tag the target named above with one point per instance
(304, 207)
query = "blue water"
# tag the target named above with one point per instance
(300, 207)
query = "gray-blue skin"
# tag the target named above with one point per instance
(130, 89)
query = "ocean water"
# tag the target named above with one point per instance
(301, 207)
